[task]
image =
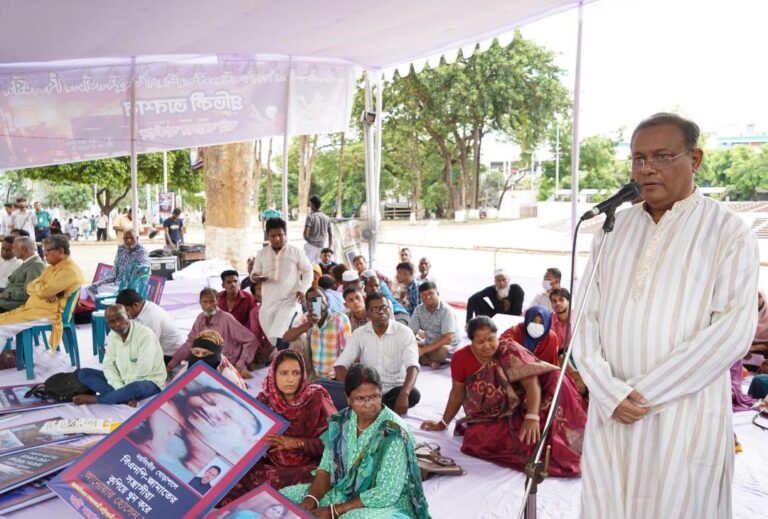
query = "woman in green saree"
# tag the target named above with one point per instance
(368, 469)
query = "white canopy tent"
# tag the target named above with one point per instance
(189, 72)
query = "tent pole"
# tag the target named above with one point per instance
(165, 171)
(376, 172)
(370, 201)
(135, 220)
(284, 179)
(575, 141)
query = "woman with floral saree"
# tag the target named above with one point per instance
(506, 393)
(369, 468)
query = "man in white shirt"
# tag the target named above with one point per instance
(390, 348)
(9, 263)
(155, 318)
(102, 222)
(6, 223)
(285, 274)
(23, 218)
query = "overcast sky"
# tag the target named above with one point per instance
(705, 59)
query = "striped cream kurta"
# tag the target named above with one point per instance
(672, 309)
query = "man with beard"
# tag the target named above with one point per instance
(499, 298)
(240, 344)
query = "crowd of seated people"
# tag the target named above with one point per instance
(343, 349)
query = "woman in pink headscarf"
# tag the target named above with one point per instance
(742, 402)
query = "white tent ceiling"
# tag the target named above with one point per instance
(370, 33)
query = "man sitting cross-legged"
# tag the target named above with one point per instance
(390, 348)
(133, 364)
(239, 343)
(499, 298)
(435, 325)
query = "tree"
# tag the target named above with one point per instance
(514, 90)
(113, 176)
(70, 196)
(13, 186)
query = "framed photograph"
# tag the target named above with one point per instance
(261, 502)
(19, 468)
(24, 437)
(176, 457)
(13, 399)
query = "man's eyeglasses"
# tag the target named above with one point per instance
(659, 161)
(362, 400)
(379, 309)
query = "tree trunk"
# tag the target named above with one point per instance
(270, 189)
(228, 182)
(476, 145)
(447, 166)
(461, 146)
(416, 166)
(110, 201)
(339, 196)
(257, 169)
(307, 154)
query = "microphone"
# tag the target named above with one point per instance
(625, 194)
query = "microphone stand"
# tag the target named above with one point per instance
(536, 469)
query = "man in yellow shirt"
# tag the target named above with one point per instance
(48, 294)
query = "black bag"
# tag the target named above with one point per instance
(61, 387)
(161, 253)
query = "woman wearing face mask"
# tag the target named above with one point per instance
(536, 334)
(206, 348)
(506, 394)
(296, 453)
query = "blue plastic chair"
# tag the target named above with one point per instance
(99, 333)
(25, 339)
(137, 279)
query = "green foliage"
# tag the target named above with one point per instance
(70, 196)
(12, 186)
(598, 167)
(443, 113)
(113, 176)
(546, 189)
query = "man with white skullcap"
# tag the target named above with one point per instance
(499, 298)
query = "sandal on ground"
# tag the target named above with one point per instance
(431, 462)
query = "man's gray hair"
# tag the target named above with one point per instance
(26, 243)
(689, 128)
(57, 241)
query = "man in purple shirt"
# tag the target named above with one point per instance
(239, 343)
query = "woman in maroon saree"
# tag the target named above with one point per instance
(506, 393)
(296, 453)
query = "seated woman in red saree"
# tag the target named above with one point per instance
(506, 393)
(536, 334)
(296, 453)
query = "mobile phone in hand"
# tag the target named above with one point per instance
(317, 306)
